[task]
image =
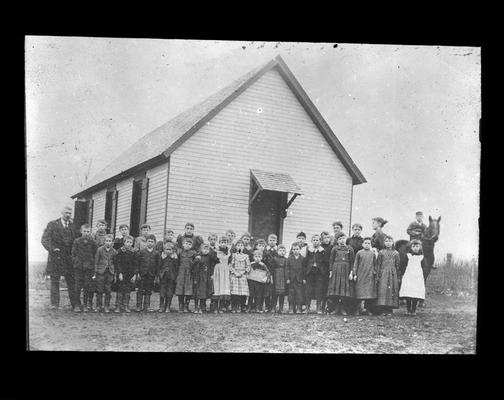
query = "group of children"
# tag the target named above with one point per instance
(344, 275)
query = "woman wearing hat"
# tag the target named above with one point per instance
(378, 238)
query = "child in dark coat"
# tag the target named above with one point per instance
(355, 242)
(247, 245)
(101, 232)
(295, 279)
(202, 273)
(125, 267)
(119, 240)
(167, 274)
(104, 272)
(141, 241)
(196, 240)
(118, 243)
(279, 264)
(147, 264)
(169, 237)
(83, 253)
(269, 289)
(256, 288)
(316, 274)
(326, 243)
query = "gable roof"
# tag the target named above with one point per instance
(157, 145)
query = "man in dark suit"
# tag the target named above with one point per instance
(58, 239)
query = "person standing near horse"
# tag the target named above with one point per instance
(413, 285)
(57, 239)
(417, 228)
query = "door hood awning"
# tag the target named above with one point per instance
(275, 181)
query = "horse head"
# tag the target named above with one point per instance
(432, 231)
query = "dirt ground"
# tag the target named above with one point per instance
(446, 325)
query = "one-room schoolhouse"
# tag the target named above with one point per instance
(256, 156)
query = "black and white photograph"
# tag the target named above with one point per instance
(220, 196)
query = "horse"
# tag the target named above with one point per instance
(430, 237)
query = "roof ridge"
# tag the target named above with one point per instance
(235, 85)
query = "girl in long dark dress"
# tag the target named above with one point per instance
(340, 288)
(387, 267)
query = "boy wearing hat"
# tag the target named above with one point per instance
(417, 228)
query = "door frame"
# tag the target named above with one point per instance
(254, 191)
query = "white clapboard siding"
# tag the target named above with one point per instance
(156, 199)
(124, 191)
(264, 128)
(98, 206)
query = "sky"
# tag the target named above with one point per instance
(407, 115)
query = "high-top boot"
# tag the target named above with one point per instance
(99, 301)
(167, 305)
(85, 301)
(107, 302)
(281, 300)
(90, 302)
(119, 301)
(323, 306)
(126, 300)
(139, 298)
(162, 306)
(146, 307)
(181, 303)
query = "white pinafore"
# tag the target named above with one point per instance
(413, 284)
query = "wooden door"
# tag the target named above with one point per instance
(266, 215)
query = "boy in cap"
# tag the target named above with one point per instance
(417, 228)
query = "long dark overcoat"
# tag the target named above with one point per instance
(55, 236)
